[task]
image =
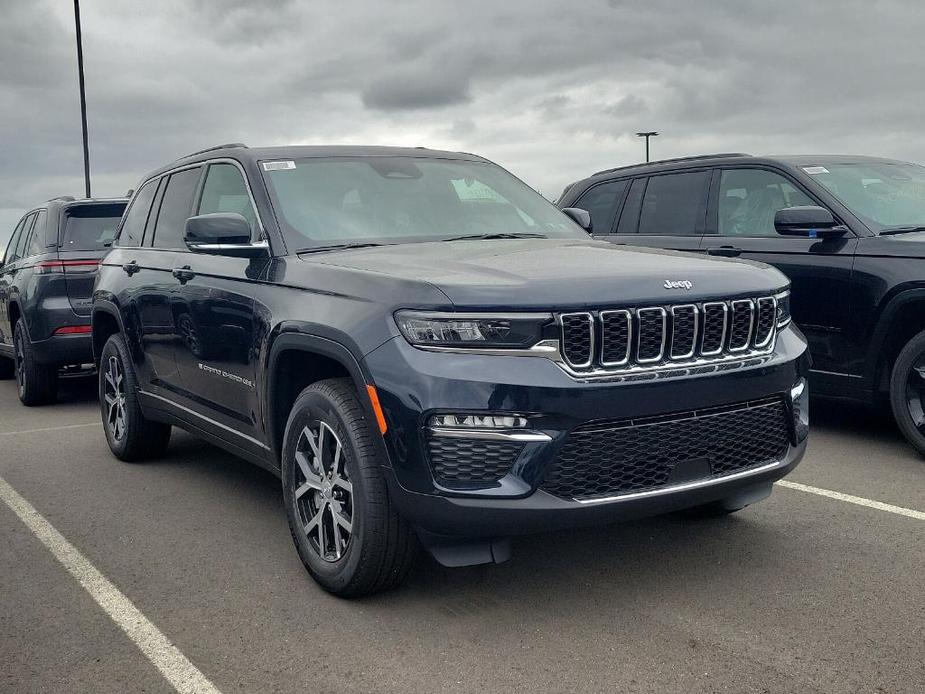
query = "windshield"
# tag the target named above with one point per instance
(884, 195)
(359, 200)
(91, 227)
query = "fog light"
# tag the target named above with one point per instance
(478, 421)
(799, 397)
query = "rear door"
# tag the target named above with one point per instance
(83, 239)
(665, 211)
(741, 224)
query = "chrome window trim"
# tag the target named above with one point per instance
(629, 337)
(751, 324)
(590, 319)
(664, 314)
(671, 354)
(722, 339)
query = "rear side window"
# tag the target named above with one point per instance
(630, 217)
(601, 201)
(225, 191)
(37, 240)
(675, 204)
(176, 208)
(24, 236)
(133, 228)
(90, 227)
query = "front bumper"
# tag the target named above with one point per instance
(413, 384)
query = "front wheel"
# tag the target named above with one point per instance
(346, 530)
(131, 436)
(907, 391)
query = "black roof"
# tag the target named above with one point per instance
(242, 153)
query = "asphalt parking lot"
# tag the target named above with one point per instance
(802, 593)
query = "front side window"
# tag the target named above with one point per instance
(10, 254)
(176, 208)
(674, 204)
(601, 201)
(37, 240)
(885, 195)
(749, 199)
(132, 232)
(225, 191)
(382, 199)
(90, 227)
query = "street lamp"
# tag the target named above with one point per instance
(647, 135)
(83, 96)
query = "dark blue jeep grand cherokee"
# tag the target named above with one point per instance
(429, 353)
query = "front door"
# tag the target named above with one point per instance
(218, 350)
(742, 219)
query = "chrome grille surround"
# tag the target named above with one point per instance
(577, 327)
(618, 321)
(674, 337)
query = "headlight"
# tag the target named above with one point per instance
(473, 330)
(783, 309)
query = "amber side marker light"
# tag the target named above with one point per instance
(377, 408)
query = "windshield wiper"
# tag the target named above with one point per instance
(901, 230)
(519, 235)
(340, 247)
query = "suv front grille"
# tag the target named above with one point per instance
(655, 336)
(612, 458)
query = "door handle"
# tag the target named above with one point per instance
(131, 268)
(725, 251)
(184, 274)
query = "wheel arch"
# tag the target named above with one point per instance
(105, 321)
(317, 358)
(901, 318)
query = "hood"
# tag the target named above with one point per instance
(547, 274)
(909, 245)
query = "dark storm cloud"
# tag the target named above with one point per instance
(551, 90)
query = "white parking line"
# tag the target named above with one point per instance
(38, 431)
(156, 647)
(859, 500)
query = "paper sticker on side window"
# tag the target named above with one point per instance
(278, 165)
(813, 170)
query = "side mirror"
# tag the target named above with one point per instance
(810, 221)
(222, 233)
(581, 217)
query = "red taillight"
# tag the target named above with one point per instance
(74, 330)
(59, 266)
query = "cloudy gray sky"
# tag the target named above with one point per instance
(552, 90)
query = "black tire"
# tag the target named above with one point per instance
(138, 438)
(380, 546)
(37, 383)
(7, 369)
(907, 392)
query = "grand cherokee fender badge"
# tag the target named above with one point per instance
(678, 284)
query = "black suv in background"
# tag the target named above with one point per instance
(849, 232)
(46, 280)
(425, 350)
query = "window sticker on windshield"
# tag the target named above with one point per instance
(278, 165)
(811, 170)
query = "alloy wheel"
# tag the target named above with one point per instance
(323, 491)
(114, 398)
(20, 363)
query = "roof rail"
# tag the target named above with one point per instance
(62, 198)
(230, 145)
(722, 155)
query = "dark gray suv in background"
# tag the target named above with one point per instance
(46, 279)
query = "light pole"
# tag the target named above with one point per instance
(646, 135)
(83, 97)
